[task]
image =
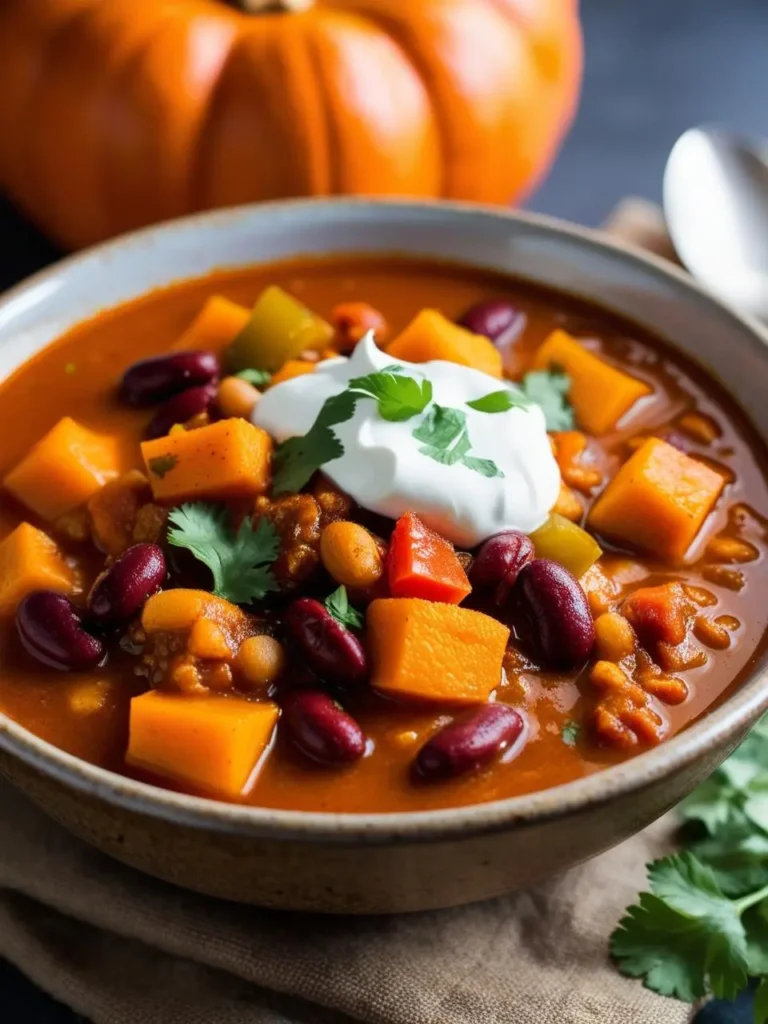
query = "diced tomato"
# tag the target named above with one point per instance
(422, 564)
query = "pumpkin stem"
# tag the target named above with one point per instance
(272, 6)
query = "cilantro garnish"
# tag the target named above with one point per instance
(501, 401)
(338, 605)
(549, 389)
(259, 378)
(299, 457)
(446, 440)
(399, 397)
(162, 464)
(703, 927)
(570, 733)
(238, 559)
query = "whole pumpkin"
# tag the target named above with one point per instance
(120, 113)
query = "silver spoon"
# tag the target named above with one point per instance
(716, 207)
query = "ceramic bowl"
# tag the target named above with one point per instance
(383, 862)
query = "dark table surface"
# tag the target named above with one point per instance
(654, 68)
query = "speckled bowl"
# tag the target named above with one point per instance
(383, 862)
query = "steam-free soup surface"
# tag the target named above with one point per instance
(77, 376)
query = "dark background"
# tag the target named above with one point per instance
(654, 67)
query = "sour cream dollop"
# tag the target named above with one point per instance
(383, 469)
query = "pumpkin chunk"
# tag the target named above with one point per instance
(216, 325)
(208, 743)
(30, 560)
(432, 651)
(293, 368)
(64, 469)
(599, 393)
(658, 500)
(431, 336)
(228, 459)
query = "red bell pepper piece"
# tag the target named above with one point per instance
(421, 563)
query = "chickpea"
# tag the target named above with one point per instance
(260, 660)
(350, 554)
(614, 637)
(236, 397)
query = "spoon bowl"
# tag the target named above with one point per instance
(716, 206)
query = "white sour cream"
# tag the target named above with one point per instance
(383, 469)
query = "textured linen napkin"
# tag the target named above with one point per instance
(122, 948)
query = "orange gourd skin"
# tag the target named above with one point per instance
(118, 114)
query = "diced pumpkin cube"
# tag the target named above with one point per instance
(431, 336)
(30, 560)
(657, 501)
(293, 368)
(211, 744)
(228, 459)
(64, 469)
(279, 328)
(435, 652)
(216, 325)
(599, 393)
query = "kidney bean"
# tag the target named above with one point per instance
(469, 743)
(179, 409)
(493, 318)
(51, 630)
(120, 591)
(552, 615)
(329, 648)
(321, 729)
(498, 562)
(154, 380)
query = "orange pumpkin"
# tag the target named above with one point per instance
(119, 113)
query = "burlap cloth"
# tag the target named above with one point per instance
(121, 948)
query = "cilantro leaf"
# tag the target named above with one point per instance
(501, 401)
(299, 457)
(651, 942)
(570, 733)
(738, 859)
(686, 936)
(338, 605)
(485, 467)
(259, 378)
(549, 389)
(761, 1002)
(239, 559)
(399, 398)
(444, 431)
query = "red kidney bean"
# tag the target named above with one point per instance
(469, 743)
(51, 630)
(120, 591)
(493, 318)
(154, 380)
(498, 562)
(329, 648)
(552, 615)
(179, 409)
(321, 728)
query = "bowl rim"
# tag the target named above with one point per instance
(722, 725)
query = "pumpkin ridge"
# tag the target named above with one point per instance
(332, 184)
(390, 29)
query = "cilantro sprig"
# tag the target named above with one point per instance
(398, 397)
(549, 390)
(338, 605)
(239, 559)
(259, 378)
(703, 927)
(446, 440)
